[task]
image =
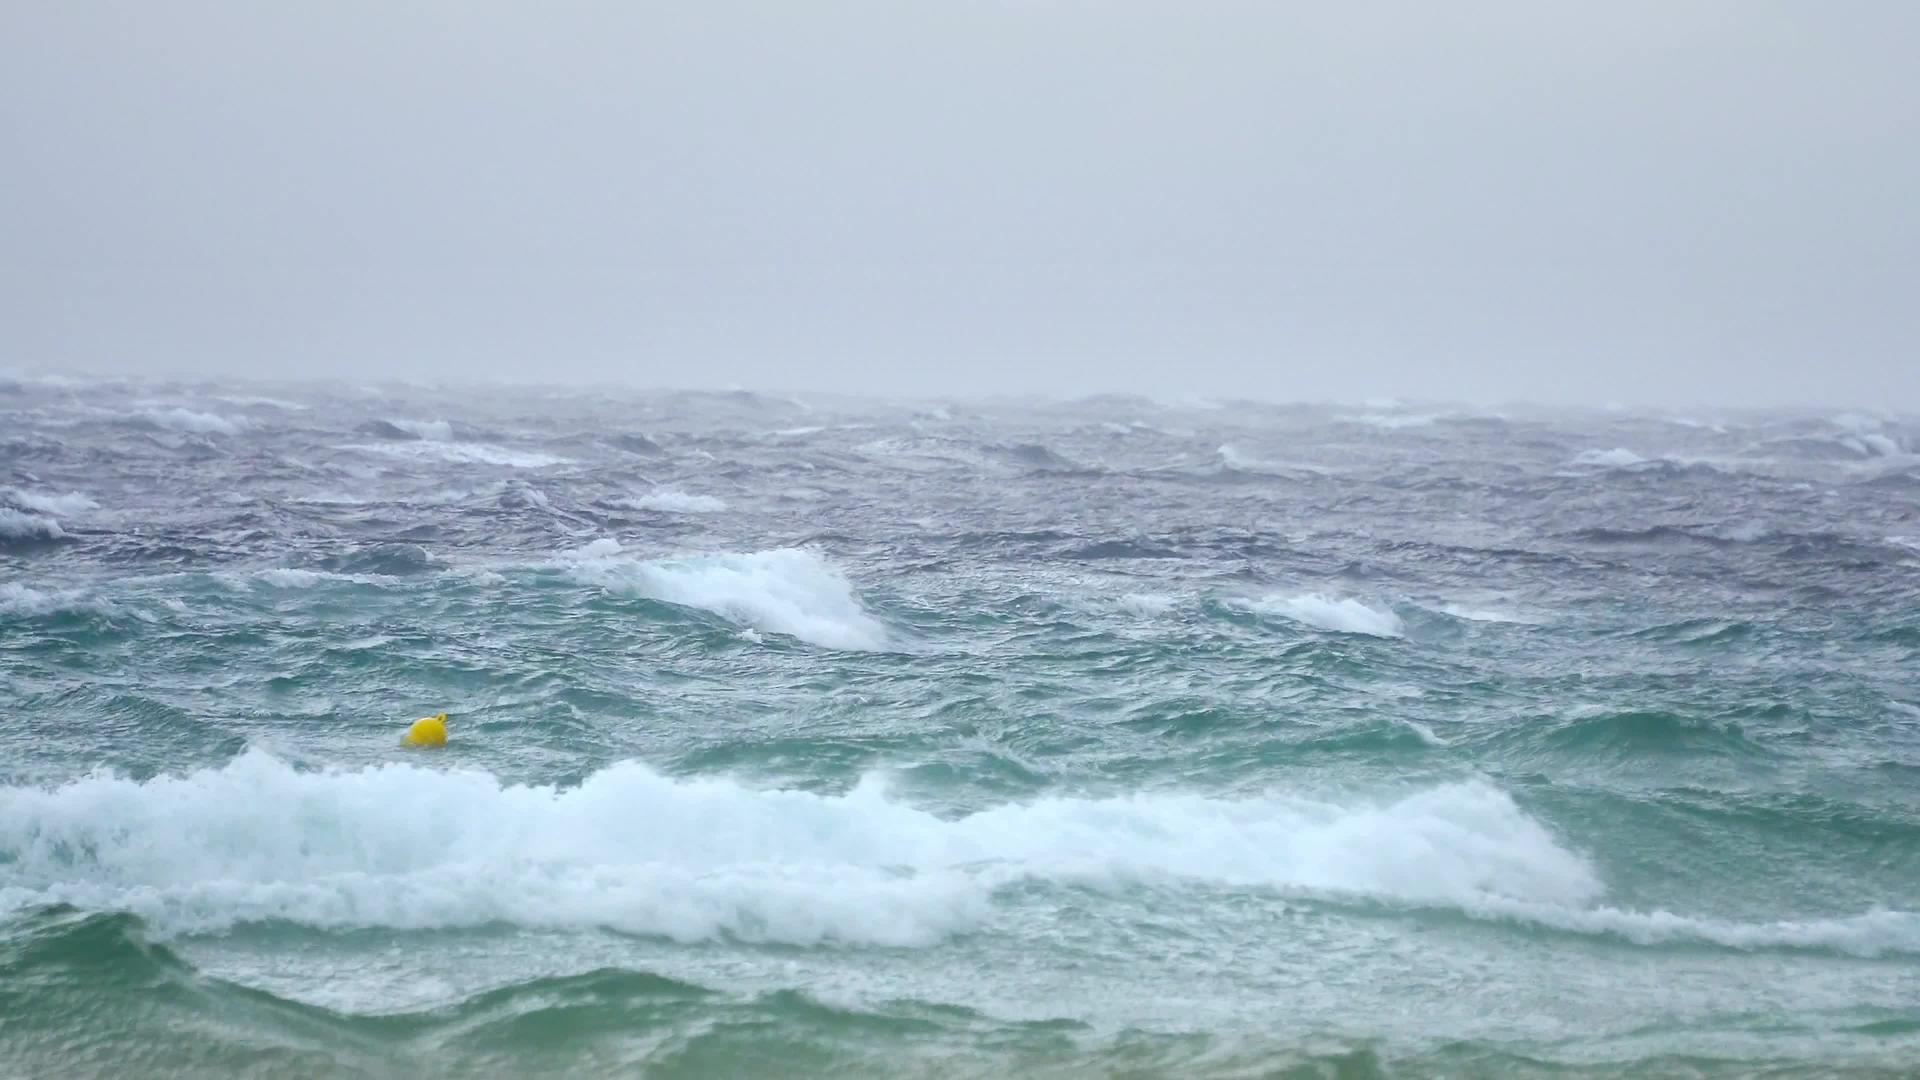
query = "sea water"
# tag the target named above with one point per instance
(797, 735)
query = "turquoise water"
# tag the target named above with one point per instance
(820, 736)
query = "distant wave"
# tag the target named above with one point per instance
(1036, 456)
(1233, 459)
(52, 503)
(18, 525)
(1646, 732)
(1342, 615)
(462, 453)
(669, 501)
(1616, 458)
(294, 578)
(636, 443)
(254, 401)
(438, 430)
(1148, 604)
(1392, 421)
(783, 591)
(186, 420)
(408, 430)
(25, 601)
(1873, 933)
(1483, 615)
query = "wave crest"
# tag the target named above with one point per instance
(404, 847)
(407, 847)
(782, 591)
(1341, 615)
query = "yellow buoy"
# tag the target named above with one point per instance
(428, 731)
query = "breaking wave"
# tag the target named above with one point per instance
(783, 591)
(1342, 615)
(404, 847)
(18, 525)
(668, 501)
(462, 453)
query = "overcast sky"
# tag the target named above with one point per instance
(1668, 202)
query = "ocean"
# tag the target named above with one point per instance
(820, 736)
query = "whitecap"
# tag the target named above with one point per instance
(54, 504)
(1616, 458)
(283, 577)
(669, 501)
(1480, 614)
(1150, 605)
(462, 453)
(1870, 934)
(198, 423)
(25, 601)
(1343, 615)
(437, 430)
(335, 498)
(1392, 421)
(249, 402)
(400, 846)
(783, 591)
(16, 525)
(405, 847)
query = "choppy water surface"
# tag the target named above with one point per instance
(951, 739)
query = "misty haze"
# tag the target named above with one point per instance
(1692, 204)
(959, 540)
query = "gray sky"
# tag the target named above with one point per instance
(1671, 202)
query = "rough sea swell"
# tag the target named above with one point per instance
(1039, 738)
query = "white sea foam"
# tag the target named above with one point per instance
(198, 423)
(295, 578)
(1858, 423)
(1616, 458)
(1873, 933)
(18, 599)
(462, 453)
(1234, 459)
(783, 591)
(1479, 614)
(16, 525)
(438, 430)
(605, 547)
(283, 578)
(1343, 615)
(334, 498)
(25, 601)
(405, 847)
(402, 846)
(1872, 445)
(1393, 421)
(666, 500)
(49, 503)
(1151, 605)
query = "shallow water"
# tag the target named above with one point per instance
(951, 739)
